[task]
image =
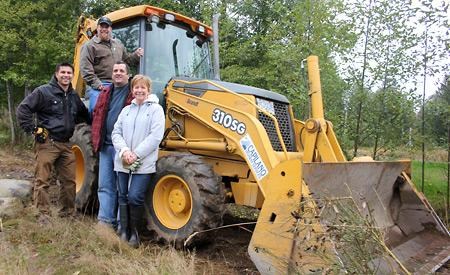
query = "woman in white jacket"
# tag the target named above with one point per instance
(136, 137)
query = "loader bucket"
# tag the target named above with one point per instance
(403, 222)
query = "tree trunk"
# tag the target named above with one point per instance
(381, 115)
(363, 75)
(26, 91)
(358, 125)
(10, 112)
(448, 167)
(375, 147)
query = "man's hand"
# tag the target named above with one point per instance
(40, 134)
(139, 52)
(102, 88)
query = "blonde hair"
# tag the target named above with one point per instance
(139, 78)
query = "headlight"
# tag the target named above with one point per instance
(169, 17)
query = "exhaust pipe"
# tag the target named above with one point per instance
(216, 46)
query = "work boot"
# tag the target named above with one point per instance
(123, 229)
(135, 221)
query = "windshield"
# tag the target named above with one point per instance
(173, 51)
(129, 33)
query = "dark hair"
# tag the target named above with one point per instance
(63, 64)
(126, 65)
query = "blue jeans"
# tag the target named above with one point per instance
(107, 185)
(93, 96)
(135, 193)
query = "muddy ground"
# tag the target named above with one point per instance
(226, 253)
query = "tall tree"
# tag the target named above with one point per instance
(266, 49)
(382, 59)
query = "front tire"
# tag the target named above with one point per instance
(86, 169)
(185, 197)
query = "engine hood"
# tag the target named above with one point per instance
(237, 88)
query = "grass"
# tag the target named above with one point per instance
(81, 247)
(359, 243)
(435, 184)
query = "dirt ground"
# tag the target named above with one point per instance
(16, 164)
(225, 254)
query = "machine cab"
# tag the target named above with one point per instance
(174, 45)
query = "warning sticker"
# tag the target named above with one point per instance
(253, 157)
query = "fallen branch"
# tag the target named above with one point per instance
(217, 228)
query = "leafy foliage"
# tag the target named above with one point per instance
(437, 109)
(368, 51)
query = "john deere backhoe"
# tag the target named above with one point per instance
(231, 142)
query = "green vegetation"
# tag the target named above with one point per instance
(435, 185)
(369, 78)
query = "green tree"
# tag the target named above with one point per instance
(435, 38)
(34, 37)
(392, 116)
(382, 59)
(266, 42)
(437, 111)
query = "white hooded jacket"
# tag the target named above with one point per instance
(139, 128)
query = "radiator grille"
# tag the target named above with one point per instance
(285, 124)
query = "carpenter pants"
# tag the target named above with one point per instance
(59, 156)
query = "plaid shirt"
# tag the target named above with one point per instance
(99, 116)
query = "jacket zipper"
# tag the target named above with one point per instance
(112, 50)
(66, 114)
(134, 126)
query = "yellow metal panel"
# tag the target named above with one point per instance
(245, 193)
(231, 100)
(334, 143)
(281, 227)
(84, 24)
(136, 11)
(197, 130)
(203, 111)
(324, 148)
(234, 109)
(310, 146)
(315, 88)
(229, 168)
(299, 129)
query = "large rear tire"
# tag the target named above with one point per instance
(186, 196)
(86, 169)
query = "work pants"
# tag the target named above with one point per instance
(59, 156)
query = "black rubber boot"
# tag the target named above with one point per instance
(123, 230)
(136, 213)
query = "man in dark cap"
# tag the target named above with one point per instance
(98, 57)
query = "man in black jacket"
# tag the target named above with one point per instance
(58, 109)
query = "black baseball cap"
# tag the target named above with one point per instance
(104, 20)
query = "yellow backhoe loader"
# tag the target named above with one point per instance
(231, 142)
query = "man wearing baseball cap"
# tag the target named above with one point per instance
(98, 57)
